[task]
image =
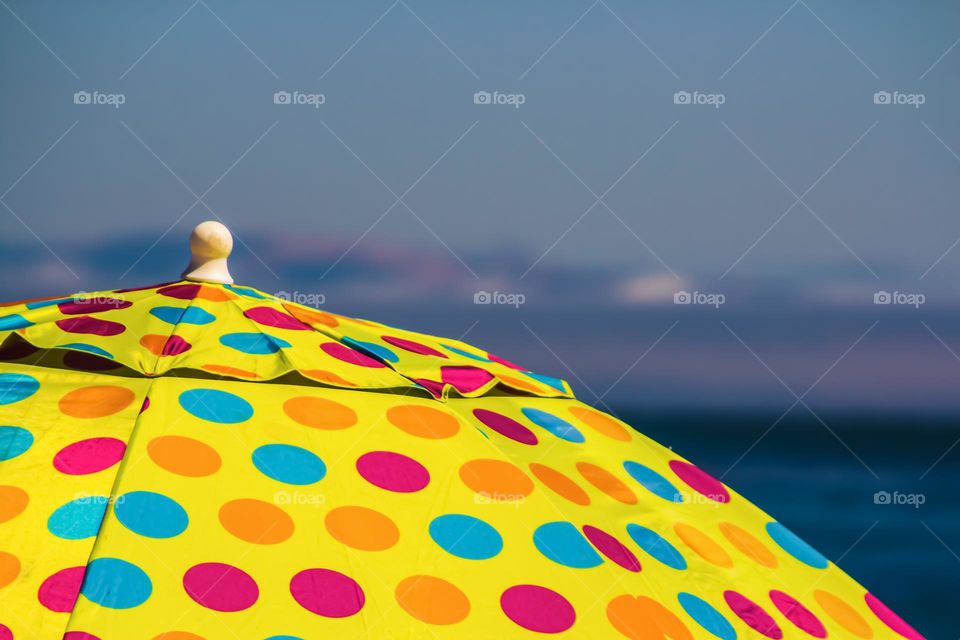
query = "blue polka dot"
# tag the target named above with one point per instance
(13, 442)
(284, 638)
(253, 343)
(16, 386)
(557, 426)
(89, 348)
(183, 315)
(795, 546)
(216, 406)
(466, 354)
(657, 546)
(245, 292)
(14, 321)
(653, 481)
(705, 615)
(289, 464)
(564, 544)
(371, 349)
(78, 519)
(466, 536)
(150, 514)
(550, 381)
(116, 584)
(39, 304)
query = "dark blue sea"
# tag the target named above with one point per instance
(879, 495)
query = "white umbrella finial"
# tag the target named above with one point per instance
(210, 245)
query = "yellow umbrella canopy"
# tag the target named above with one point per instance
(199, 460)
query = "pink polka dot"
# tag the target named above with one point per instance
(89, 456)
(752, 615)
(59, 592)
(889, 618)
(700, 481)
(612, 548)
(327, 593)
(434, 387)
(145, 405)
(174, 346)
(352, 356)
(270, 317)
(413, 347)
(220, 587)
(92, 305)
(537, 608)
(5, 633)
(180, 291)
(465, 379)
(505, 362)
(798, 614)
(94, 326)
(393, 471)
(77, 635)
(505, 426)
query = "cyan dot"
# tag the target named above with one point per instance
(796, 546)
(39, 304)
(183, 315)
(13, 321)
(466, 354)
(653, 481)
(564, 544)
(289, 464)
(78, 519)
(707, 616)
(246, 292)
(253, 343)
(116, 584)
(150, 514)
(14, 441)
(15, 387)
(657, 546)
(550, 381)
(89, 348)
(371, 348)
(557, 426)
(465, 536)
(216, 406)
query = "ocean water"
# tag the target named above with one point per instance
(826, 482)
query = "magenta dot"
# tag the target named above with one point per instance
(180, 291)
(174, 346)
(327, 593)
(752, 615)
(92, 305)
(59, 592)
(220, 587)
(146, 404)
(700, 481)
(413, 347)
(393, 471)
(889, 618)
(77, 635)
(89, 456)
(351, 356)
(94, 326)
(612, 548)
(505, 426)
(504, 362)
(434, 387)
(537, 608)
(798, 614)
(465, 379)
(270, 317)
(5, 633)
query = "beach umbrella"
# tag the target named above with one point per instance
(204, 460)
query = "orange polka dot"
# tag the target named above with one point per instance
(311, 316)
(607, 482)
(602, 423)
(703, 545)
(519, 384)
(319, 413)
(747, 544)
(641, 618)
(13, 500)
(9, 568)
(432, 600)
(214, 294)
(154, 343)
(184, 456)
(178, 635)
(256, 521)
(96, 401)
(843, 614)
(498, 480)
(362, 528)
(424, 422)
(230, 371)
(326, 376)
(560, 484)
